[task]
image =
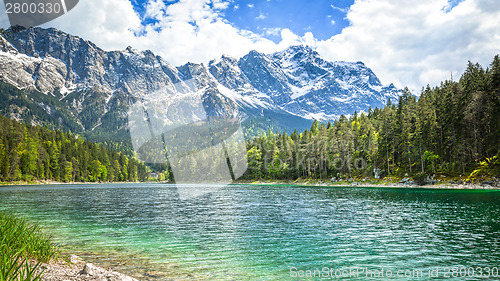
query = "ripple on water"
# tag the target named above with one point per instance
(259, 232)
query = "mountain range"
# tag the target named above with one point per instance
(52, 78)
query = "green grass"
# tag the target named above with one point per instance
(23, 248)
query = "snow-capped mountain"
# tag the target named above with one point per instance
(300, 82)
(293, 85)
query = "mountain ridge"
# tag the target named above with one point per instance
(296, 83)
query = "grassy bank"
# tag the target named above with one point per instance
(23, 248)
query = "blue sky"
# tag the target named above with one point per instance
(300, 16)
(324, 18)
(405, 42)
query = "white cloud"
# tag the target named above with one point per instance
(412, 42)
(155, 8)
(251, 5)
(275, 31)
(188, 30)
(416, 42)
(108, 23)
(220, 4)
(261, 17)
(339, 9)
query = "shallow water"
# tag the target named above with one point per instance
(246, 232)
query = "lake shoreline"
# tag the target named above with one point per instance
(305, 183)
(77, 269)
(444, 186)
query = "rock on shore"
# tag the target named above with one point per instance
(78, 270)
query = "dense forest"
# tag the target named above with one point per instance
(452, 130)
(36, 153)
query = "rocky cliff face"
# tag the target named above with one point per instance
(296, 82)
(49, 59)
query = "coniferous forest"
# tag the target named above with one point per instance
(451, 130)
(36, 153)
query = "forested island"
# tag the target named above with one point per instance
(452, 130)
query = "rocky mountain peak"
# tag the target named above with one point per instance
(298, 52)
(296, 81)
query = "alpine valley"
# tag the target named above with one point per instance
(61, 81)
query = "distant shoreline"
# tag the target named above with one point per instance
(48, 182)
(298, 183)
(315, 183)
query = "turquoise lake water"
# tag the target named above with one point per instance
(243, 232)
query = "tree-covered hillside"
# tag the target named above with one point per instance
(85, 113)
(37, 153)
(452, 129)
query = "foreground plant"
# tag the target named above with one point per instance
(23, 249)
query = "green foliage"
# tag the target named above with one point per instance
(486, 169)
(36, 153)
(430, 158)
(23, 247)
